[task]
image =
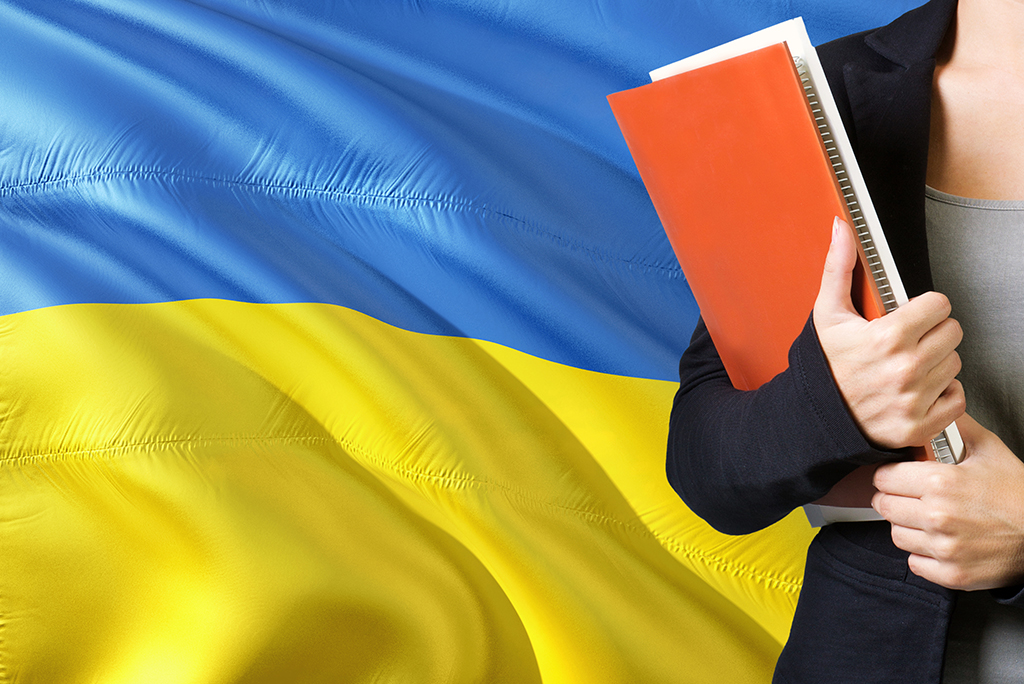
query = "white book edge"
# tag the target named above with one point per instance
(948, 446)
(819, 515)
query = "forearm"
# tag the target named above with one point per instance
(743, 460)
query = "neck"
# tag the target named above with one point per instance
(988, 34)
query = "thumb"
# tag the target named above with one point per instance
(837, 277)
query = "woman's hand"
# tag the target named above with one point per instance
(896, 373)
(963, 525)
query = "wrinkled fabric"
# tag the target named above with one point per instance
(337, 344)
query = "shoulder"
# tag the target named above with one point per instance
(855, 49)
(851, 48)
(906, 43)
(854, 53)
(912, 37)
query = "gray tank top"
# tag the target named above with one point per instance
(976, 248)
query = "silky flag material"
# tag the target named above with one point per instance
(337, 344)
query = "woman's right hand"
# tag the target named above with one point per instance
(896, 373)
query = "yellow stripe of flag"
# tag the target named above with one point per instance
(213, 491)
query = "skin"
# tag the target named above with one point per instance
(963, 525)
(897, 373)
(976, 146)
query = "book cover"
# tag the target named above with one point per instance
(742, 183)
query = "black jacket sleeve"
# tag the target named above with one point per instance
(743, 460)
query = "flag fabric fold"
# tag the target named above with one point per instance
(337, 343)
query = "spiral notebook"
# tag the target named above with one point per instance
(745, 158)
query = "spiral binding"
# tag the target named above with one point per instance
(874, 263)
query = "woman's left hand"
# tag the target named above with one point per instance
(963, 525)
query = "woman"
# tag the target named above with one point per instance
(928, 100)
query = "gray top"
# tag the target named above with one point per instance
(976, 249)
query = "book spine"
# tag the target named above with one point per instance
(874, 263)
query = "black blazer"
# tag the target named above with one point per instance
(743, 460)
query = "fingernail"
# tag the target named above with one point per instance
(835, 228)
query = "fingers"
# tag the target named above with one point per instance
(937, 353)
(913, 479)
(920, 412)
(938, 559)
(927, 535)
(940, 372)
(922, 374)
(947, 408)
(899, 509)
(918, 541)
(942, 337)
(946, 574)
(921, 314)
(962, 525)
(896, 480)
(837, 276)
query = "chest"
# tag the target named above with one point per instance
(976, 140)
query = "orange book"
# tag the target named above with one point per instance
(747, 174)
(744, 188)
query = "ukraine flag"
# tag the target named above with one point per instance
(337, 344)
